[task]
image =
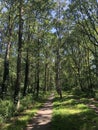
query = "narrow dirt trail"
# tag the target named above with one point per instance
(42, 120)
(92, 105)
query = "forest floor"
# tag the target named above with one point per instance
(58, 114)
(42, 120)
(93, 104)
(25, 115)
(75, 112)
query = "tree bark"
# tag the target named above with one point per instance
(37, 69)
(6, 60)
(57, 65)
(18, 79)
(37, 80)
(26, 75)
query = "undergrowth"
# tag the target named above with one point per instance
(11, 119)
(72, 113)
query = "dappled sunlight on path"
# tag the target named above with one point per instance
(42, 120)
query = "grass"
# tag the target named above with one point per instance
(72, 113)
(20, 121)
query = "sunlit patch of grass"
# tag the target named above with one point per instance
(82, 106)
(84, 100)
(73, 114)
(21, 120)
(68, 111)
(27, 114)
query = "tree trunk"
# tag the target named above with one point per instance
(6, 61)
(26, 75)
(37, 79)
(18, 79)
(34, 87)
(37, 69)
(57, 65)
(45, 85)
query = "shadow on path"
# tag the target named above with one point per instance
(42, 120)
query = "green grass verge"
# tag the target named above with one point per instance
(20, 121)
(72, 113)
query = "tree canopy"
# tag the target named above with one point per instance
(48, 45)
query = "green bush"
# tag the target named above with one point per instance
(1, 119)
(7, 110)
(77, 91)
(26, 102)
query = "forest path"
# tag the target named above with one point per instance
(42, 120)
(93, 104)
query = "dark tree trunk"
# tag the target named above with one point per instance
(79, 79)
(96, 60)
(37, 79)
(57, 66)
(45, 85)
(26, 75)
(37, 69)
(5, 74)
(34, 87)
(27, 66)
(48, 77)
(6, 61)
(18, 80)
(57, 62)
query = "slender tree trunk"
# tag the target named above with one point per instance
(79, 79)
(34, 87)
(6, 71)
(18, 80)
(96, 60)
(57, 65)
(6, 61)
(26, 74)
(90, 87)
(45, 85)
(37, 79)
(27, 64)
(50, 81)
(48, 78)
(37, 69)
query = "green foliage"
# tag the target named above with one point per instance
(7, 110)
(96, 95)
(19, 121)
(73, 114)
(77, 91)
(27, 100)
(60, 39)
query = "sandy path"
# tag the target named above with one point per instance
(42, 120)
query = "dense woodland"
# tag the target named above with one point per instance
(48, 45)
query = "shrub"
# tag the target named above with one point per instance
(77, 91)
(7, 109)
(26, 101)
